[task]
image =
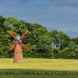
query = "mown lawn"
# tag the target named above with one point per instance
(39, 68)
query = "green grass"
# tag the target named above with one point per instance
(19, 73)
(39, 68)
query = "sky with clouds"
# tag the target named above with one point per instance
(54, 14)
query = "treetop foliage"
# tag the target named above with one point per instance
(44, 43)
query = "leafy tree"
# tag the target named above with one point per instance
(60, 39)
(40, 40)
(49, 44)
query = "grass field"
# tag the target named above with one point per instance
(44, 64)
(39, 68)
(16, 73)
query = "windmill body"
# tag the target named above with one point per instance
(18, 56)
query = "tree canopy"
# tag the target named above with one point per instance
(44, 43)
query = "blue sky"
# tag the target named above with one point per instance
(54, 14)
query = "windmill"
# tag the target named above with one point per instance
(17, 45)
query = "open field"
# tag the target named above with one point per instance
(43, 64)
(39, 68)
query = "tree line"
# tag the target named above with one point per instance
(44, 43)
